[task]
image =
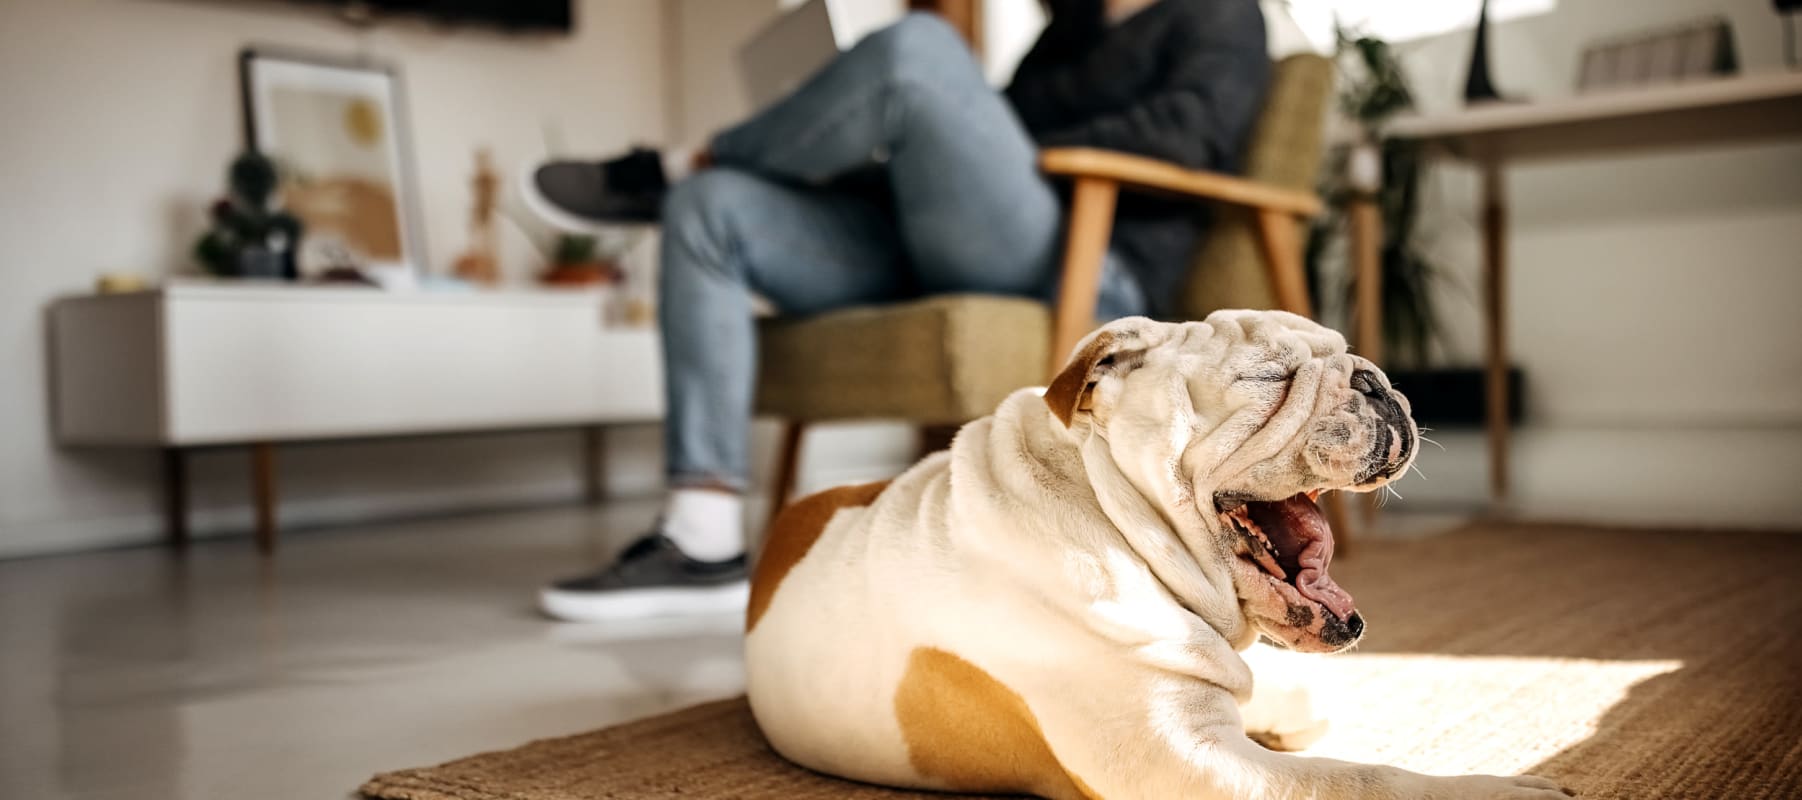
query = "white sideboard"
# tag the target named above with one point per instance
(211, 364)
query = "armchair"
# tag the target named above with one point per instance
(951, 358)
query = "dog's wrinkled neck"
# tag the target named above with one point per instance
(1169, 534)
(1200, 585)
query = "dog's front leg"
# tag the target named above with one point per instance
(1282, 713)
(1189, 741)
(1236, 767)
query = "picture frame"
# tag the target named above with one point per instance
(337, 130)
(1696, 50)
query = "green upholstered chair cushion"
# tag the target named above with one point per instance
(942, 359)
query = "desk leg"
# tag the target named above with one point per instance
(262, 477)
(594, 464)
(1495, 318)
(175, 498)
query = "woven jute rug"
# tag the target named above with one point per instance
(1625, 664)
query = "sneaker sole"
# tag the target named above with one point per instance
(641, 603)
(562, 220)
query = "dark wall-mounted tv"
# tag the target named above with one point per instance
(523, 15)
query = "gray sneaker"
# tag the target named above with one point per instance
(578, 195)
(652, 578)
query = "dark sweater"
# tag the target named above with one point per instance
(1181, 80)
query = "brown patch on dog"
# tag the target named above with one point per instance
(792, 534)
(975, 734)
(1268, 741)
(1069, 391)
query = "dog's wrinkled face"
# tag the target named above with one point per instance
(1233, 426)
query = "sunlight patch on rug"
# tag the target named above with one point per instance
(1448, 715)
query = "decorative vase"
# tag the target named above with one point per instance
(1477, 85)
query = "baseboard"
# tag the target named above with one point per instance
(633, 471)
(126, 530)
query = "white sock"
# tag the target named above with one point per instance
(705, 524)
(678, 163)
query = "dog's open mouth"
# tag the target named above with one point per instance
(1292, 543)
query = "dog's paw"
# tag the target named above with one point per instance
(1500, 787)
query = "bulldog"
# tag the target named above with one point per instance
(1057, 605)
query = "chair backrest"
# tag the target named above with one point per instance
(1285, 150)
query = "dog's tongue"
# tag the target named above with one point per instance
(1296, 525)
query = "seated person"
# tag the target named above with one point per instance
(895, 172)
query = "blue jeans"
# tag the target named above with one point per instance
(962, 208)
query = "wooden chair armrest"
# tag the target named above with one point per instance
(1150, 173)
(1091, 221)
(1097, 176)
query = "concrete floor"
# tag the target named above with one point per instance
(135, 674)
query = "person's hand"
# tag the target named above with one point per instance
(703, 158)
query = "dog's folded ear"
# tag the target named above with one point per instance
(1107, 352)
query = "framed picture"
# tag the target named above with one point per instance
(1700, 49)
(336, 131)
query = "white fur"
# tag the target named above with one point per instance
(1085, 569)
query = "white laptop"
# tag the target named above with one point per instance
(787, 52)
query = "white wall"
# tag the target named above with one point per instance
(706, 91)
(1653, 297)
(119, 117)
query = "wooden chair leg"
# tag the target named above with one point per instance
(934, 438)
(1367, 248)
(788, 463)
(1085, 248)
(1279, 239)
(1341, 522)
(175, 498)
(262, 471)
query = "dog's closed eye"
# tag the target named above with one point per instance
(1264, 377)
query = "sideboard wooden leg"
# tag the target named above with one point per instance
(175, 498)
(262, 476)
(594, 464)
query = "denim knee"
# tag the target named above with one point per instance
(919, 43)
(697, 218)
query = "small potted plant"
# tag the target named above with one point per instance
(578, 261)
(250, 237)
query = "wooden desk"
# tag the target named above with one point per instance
(1746, 108)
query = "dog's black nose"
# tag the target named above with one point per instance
(1355, 625)
(1365, 382)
